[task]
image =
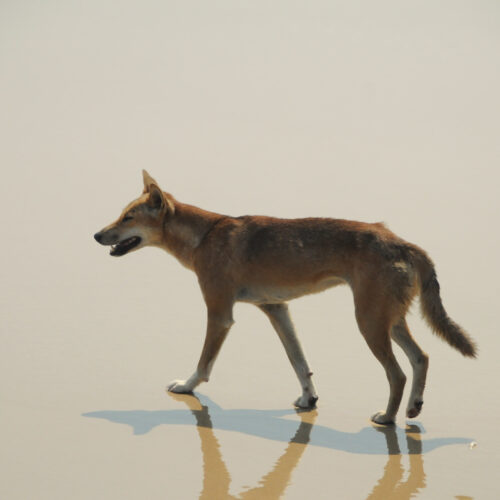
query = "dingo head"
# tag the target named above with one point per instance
(141, 222)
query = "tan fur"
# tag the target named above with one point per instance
(268, 261)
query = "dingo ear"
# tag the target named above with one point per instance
(159, 200)
(156, 198)
(148, 181)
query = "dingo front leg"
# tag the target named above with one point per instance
(282, 323)
(218, 326)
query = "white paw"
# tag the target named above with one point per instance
(382, 419)
(306, 401)
(179, 387)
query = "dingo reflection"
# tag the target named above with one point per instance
(269, 424)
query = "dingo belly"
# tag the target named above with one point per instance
(271, 294)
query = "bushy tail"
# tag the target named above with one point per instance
(433, 311)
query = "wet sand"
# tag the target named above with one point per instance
(282, 110)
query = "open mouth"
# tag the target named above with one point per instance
(124, 246)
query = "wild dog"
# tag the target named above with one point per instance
(268, 261)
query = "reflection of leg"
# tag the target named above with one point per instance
(390, 485)
(393, 471)
(307, 419)
(216, 479)
(416, 476)
(273, 485)
(282, 323)
(419, 362)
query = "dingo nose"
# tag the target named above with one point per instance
(98, 237)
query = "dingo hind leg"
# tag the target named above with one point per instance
(374, 321)
(419, 362)
(282, 323)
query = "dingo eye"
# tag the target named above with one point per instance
(127, 217)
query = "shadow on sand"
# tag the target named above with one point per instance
(270, 424)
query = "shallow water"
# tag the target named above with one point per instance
(320, 110)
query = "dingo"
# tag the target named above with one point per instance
(268, 261)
